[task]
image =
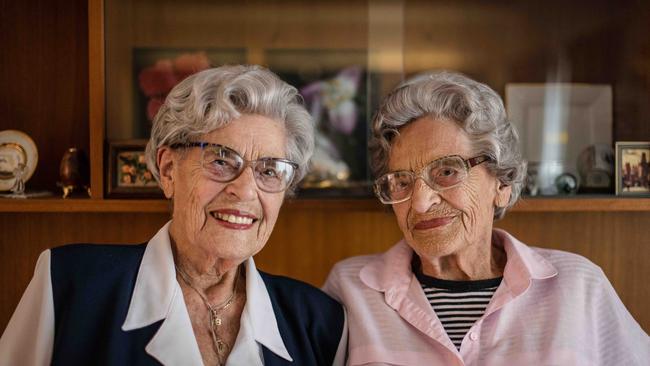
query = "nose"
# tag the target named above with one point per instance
(423, 196)
(244, 186)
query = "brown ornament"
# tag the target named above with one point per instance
(74, 172)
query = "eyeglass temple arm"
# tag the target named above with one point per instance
(477, 160)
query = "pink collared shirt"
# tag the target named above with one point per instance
(552, 308)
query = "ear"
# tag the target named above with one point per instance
(165, 157)
(503, 195)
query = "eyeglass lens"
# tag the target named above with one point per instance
(224, 165)
(440, 174)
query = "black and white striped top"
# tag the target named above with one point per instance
(458, 304)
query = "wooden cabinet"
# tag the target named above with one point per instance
(53, 67)
(72, 86)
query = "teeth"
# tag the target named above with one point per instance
(234, 219)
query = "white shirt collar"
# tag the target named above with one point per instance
(155, 286)
(260, 312)
(158, 296)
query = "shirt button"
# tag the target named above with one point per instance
(473, 336)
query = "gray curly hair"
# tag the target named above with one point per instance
(212, 98)
(477, 109)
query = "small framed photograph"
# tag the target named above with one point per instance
(633, 168)
(128, 175)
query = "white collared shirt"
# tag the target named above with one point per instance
(29, 336)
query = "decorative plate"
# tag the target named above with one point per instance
(16, 148)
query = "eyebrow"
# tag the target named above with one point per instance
(421, 166)
(203, 144)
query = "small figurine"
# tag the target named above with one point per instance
(74, 172)
(18, 190)
(566, 183)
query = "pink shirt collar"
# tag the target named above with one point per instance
(392, 270)
(391, 274)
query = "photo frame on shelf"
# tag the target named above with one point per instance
(128, 175)
(157, 70)
(564, 129)
(336, 86)
(633, 168)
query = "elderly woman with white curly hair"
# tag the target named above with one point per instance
(226, 147)
(455, 290)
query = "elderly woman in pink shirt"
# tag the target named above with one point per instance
(454, 290)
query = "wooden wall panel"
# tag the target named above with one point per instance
(500, 42)
(44, 78)
(307, 242)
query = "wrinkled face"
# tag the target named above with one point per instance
(443, 223)
(230, 221)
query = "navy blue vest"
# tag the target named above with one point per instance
(92, 287)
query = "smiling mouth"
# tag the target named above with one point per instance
(433, 223)
(233, 219)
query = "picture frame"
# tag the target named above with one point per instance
(338, 90)
(633, 168)
(156, 70)
(562, 127)
(128, 175)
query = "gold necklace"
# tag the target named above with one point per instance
(220, 346)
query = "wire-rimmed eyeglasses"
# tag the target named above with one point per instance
(441, 174)
(223, 164)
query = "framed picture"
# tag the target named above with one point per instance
(128, 175)
(564, 129)
(157, 70)
(335, 87)
(633, 168)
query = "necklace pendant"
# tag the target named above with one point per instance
(221, 346)
(216, 321)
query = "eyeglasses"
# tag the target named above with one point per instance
(223, 164)
(440, 174)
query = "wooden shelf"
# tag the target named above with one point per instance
(528, 204)
(582, 204)
(82, 205)
(159, 205)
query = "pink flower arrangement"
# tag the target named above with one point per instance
(157, 80)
